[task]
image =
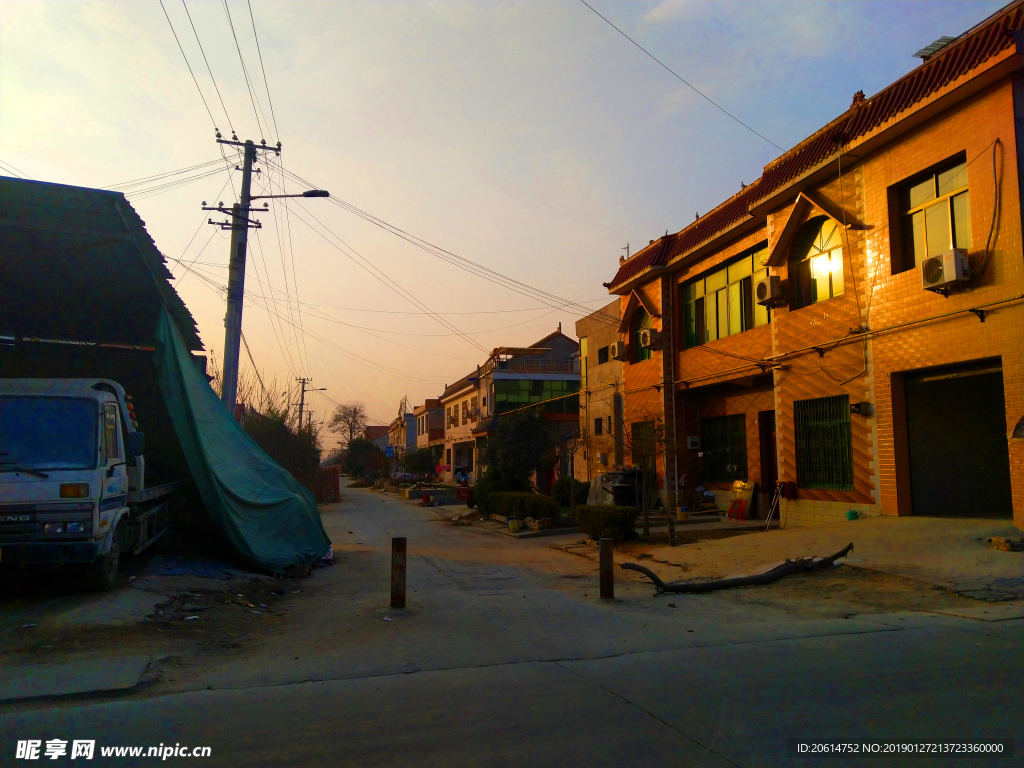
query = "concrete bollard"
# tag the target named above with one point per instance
(398, 572)
(607, 570)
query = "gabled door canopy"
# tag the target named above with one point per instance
(806, 200)
(636, 300)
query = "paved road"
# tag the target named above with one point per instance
(506, 657)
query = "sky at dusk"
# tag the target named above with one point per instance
(529, 137)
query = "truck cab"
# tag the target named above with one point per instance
(72, 476)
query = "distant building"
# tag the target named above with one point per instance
(545, 375)
(430, 427)
(402, 436)
(600, 393)
(378, 435)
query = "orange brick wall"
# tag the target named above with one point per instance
(874, 298)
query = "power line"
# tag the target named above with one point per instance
(245, 72)
(378, 367)
(266, 84)
(212, 78)
(201, 96)
(11, 169)
(383, 278)
(550, 300)
(167, 186)
(156, 176)
(284, 274)
(680, 79)
(255, 369)
(287, 358)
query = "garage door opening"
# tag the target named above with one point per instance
(956, 451)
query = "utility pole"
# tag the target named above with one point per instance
(303, 381)
(239, 224)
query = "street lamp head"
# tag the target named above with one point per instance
(316, 193)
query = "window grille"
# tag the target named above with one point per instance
(724, 442)
(824, 444)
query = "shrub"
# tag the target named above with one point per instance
(562, 491)
(490, 482)
(523, 505)
(605, 521)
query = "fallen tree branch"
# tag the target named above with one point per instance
(788, 568)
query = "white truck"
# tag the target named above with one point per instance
(72, 477)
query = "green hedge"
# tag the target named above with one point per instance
(562, 491)
(490, 483)
(599, 521)
(522, 505)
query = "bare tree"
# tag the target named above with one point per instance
(348, 420)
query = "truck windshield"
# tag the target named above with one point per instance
(47, 433)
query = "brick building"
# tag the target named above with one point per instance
(430, 427)
(852, 321)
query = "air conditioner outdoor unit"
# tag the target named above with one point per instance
(940, 272)
(617, 350)
(768, 291)
(650, 339)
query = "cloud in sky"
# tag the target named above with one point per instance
(528, 136)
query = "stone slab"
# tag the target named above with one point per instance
(32, 681)
(990, 612)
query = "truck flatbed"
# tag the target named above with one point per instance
(156, 492)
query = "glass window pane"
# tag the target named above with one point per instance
(936, 227)
(819, 278)
(735, 309)
(761, 316)
(831, 236)
(921, 193)
(723, 313)
(716, 281)
(953, 179)
(760, 258)
(700, 322)
(962, 220)
(711, 317)
(912, 239)
(697, 288)
(835, 264)
(747, 302)
(739, 270)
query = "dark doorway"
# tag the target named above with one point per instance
(956, 436)
(769, 450)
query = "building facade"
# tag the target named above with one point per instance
(402, 437)
(545, 375)
(852, 322)
(600, 394)
(430, 428)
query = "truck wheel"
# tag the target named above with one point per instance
(104, 568)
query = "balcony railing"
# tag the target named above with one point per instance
(535, 366)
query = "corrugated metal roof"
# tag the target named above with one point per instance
(78, 264)
(971, 49)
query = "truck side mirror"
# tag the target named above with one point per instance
(136, 443)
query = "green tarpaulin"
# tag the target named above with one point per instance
(266, 514)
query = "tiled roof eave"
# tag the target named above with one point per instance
(994, 68)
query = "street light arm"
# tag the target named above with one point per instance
(307, 193)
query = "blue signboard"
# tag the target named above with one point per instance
(390, 452)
